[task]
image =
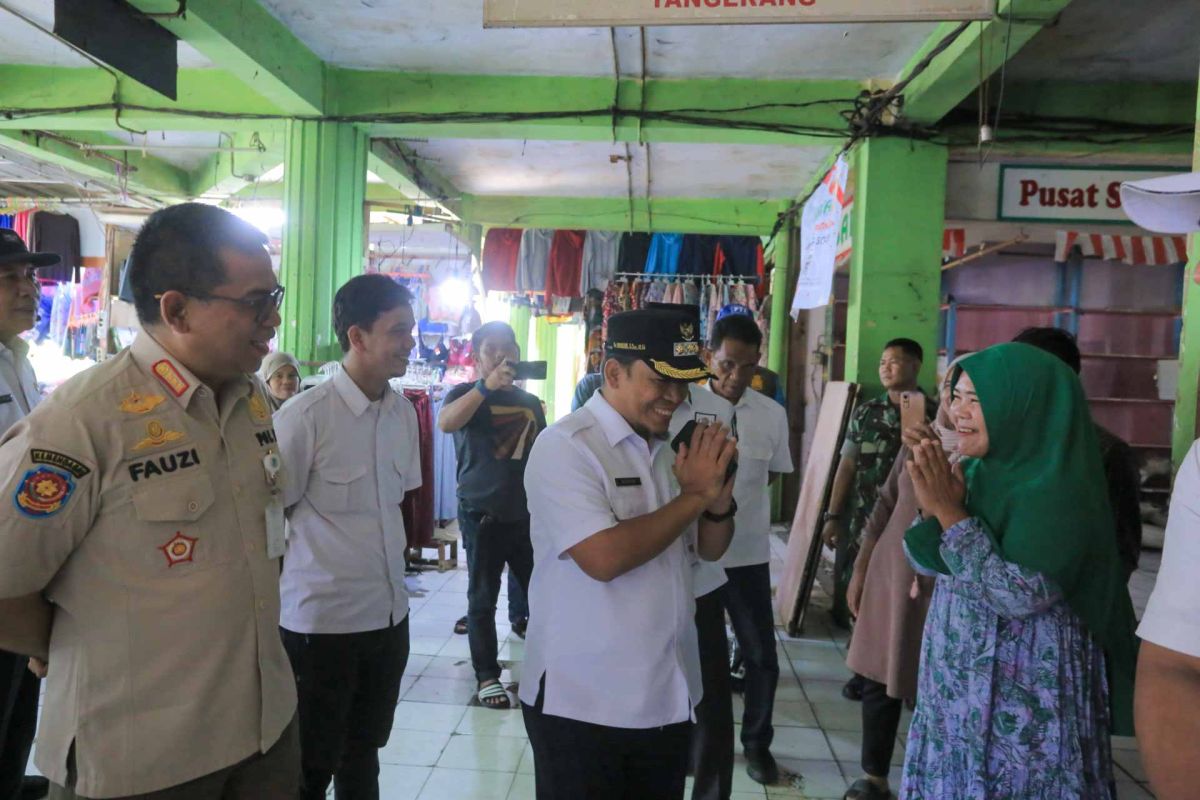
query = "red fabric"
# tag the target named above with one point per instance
(566, 264)
(500, 249)
(21, 225)
(417, 508)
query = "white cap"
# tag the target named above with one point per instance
(1164, 205)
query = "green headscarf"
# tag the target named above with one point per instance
(1041, 493)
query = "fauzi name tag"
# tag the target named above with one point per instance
(629, 482)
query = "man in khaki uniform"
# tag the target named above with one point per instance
(142, 501)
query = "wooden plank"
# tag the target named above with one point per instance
(804, 541)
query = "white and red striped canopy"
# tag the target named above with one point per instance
(1134, 250)
(954, 243)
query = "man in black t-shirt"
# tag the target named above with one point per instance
(494, 424)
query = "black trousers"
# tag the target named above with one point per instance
(348, 685)
(881, 723)
(490, 545)
(19, 690)
(712, 735)
(575, 760)
(747, 598)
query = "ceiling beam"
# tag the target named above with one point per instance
(725, 110)
(242, 37)
(667, 214)
(81, 99)
(401, 168)
(1160, 103)
(956, 72)
(229, 171)
(147, 175)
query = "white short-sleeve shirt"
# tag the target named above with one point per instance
(703, 405)
(622, 653)
(347, 464)
(1172, 618)
(763, 436)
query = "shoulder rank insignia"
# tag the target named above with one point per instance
(141, 403)
(157, 435)
(258, 407)
(169, 376)
(44, 491)
(179, 549)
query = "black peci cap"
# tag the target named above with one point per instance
(14, 251)
(667, 341)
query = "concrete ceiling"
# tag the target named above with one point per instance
(22, 176)
(448, 36)
(163, 145)
(22, 43)
(587, 169)
(1116, 40)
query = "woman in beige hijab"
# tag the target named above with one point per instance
(889, 602)
(281, 373)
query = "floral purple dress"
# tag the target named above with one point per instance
(1012, 696)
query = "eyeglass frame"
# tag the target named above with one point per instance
(260, 313)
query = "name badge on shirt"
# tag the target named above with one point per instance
(629, 481)
(276, 539)
(5, 398)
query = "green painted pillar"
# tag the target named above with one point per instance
(1189, 342)
(324, 187)
(781, 276)
(895, 274)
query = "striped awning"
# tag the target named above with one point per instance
(1134, 250)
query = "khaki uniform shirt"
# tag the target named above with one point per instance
(136, 500)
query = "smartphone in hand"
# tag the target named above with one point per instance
(912, 410)
(529, 370)
(685, 437)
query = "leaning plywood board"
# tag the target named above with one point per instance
(804, 542)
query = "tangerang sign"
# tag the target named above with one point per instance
(587, 13)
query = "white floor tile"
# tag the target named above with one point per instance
(801, 744)
(441, 690)
(398, 782)
(821, 779)
(430, 717)
(492, 722)
(413, 748)
(466, 784)
(493, 753)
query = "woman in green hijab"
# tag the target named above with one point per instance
(1028, 653)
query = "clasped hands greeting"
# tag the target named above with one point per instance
(941, 489)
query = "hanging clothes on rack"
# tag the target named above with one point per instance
(565, 265)
(59, 234)
(21, 224)
(663, 258)
(534, 259)
(601, 251)
(698, 255)
(6, 220)
(417, 508)
(445, 467)
(632, 252)
(501, 248)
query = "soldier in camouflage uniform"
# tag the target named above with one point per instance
(870, 448)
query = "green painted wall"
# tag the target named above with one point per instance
(324, 186)
(895, 273)
(1189, 343)
(781, 278)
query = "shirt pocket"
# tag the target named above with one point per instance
(177, 529)
(338, 488)
(628, 502)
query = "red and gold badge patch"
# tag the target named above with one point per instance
(179, 549)
(44, 491)
(170, 377)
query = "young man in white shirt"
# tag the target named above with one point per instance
(19, 685)
(350, 451)
(761, 427)
(612, 668)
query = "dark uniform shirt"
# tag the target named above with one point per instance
(873, 441)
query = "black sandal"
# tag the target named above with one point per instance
(494, 696)
(460, 627)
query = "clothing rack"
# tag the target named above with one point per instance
(655, 276)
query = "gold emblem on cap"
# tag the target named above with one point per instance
(141, 403)
(157, 435)
(687, 330)
(665, 369)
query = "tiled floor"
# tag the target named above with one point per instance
(445, 748)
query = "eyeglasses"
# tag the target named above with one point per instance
(261, 303)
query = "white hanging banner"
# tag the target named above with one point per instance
(820, 224)
(591, 13)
